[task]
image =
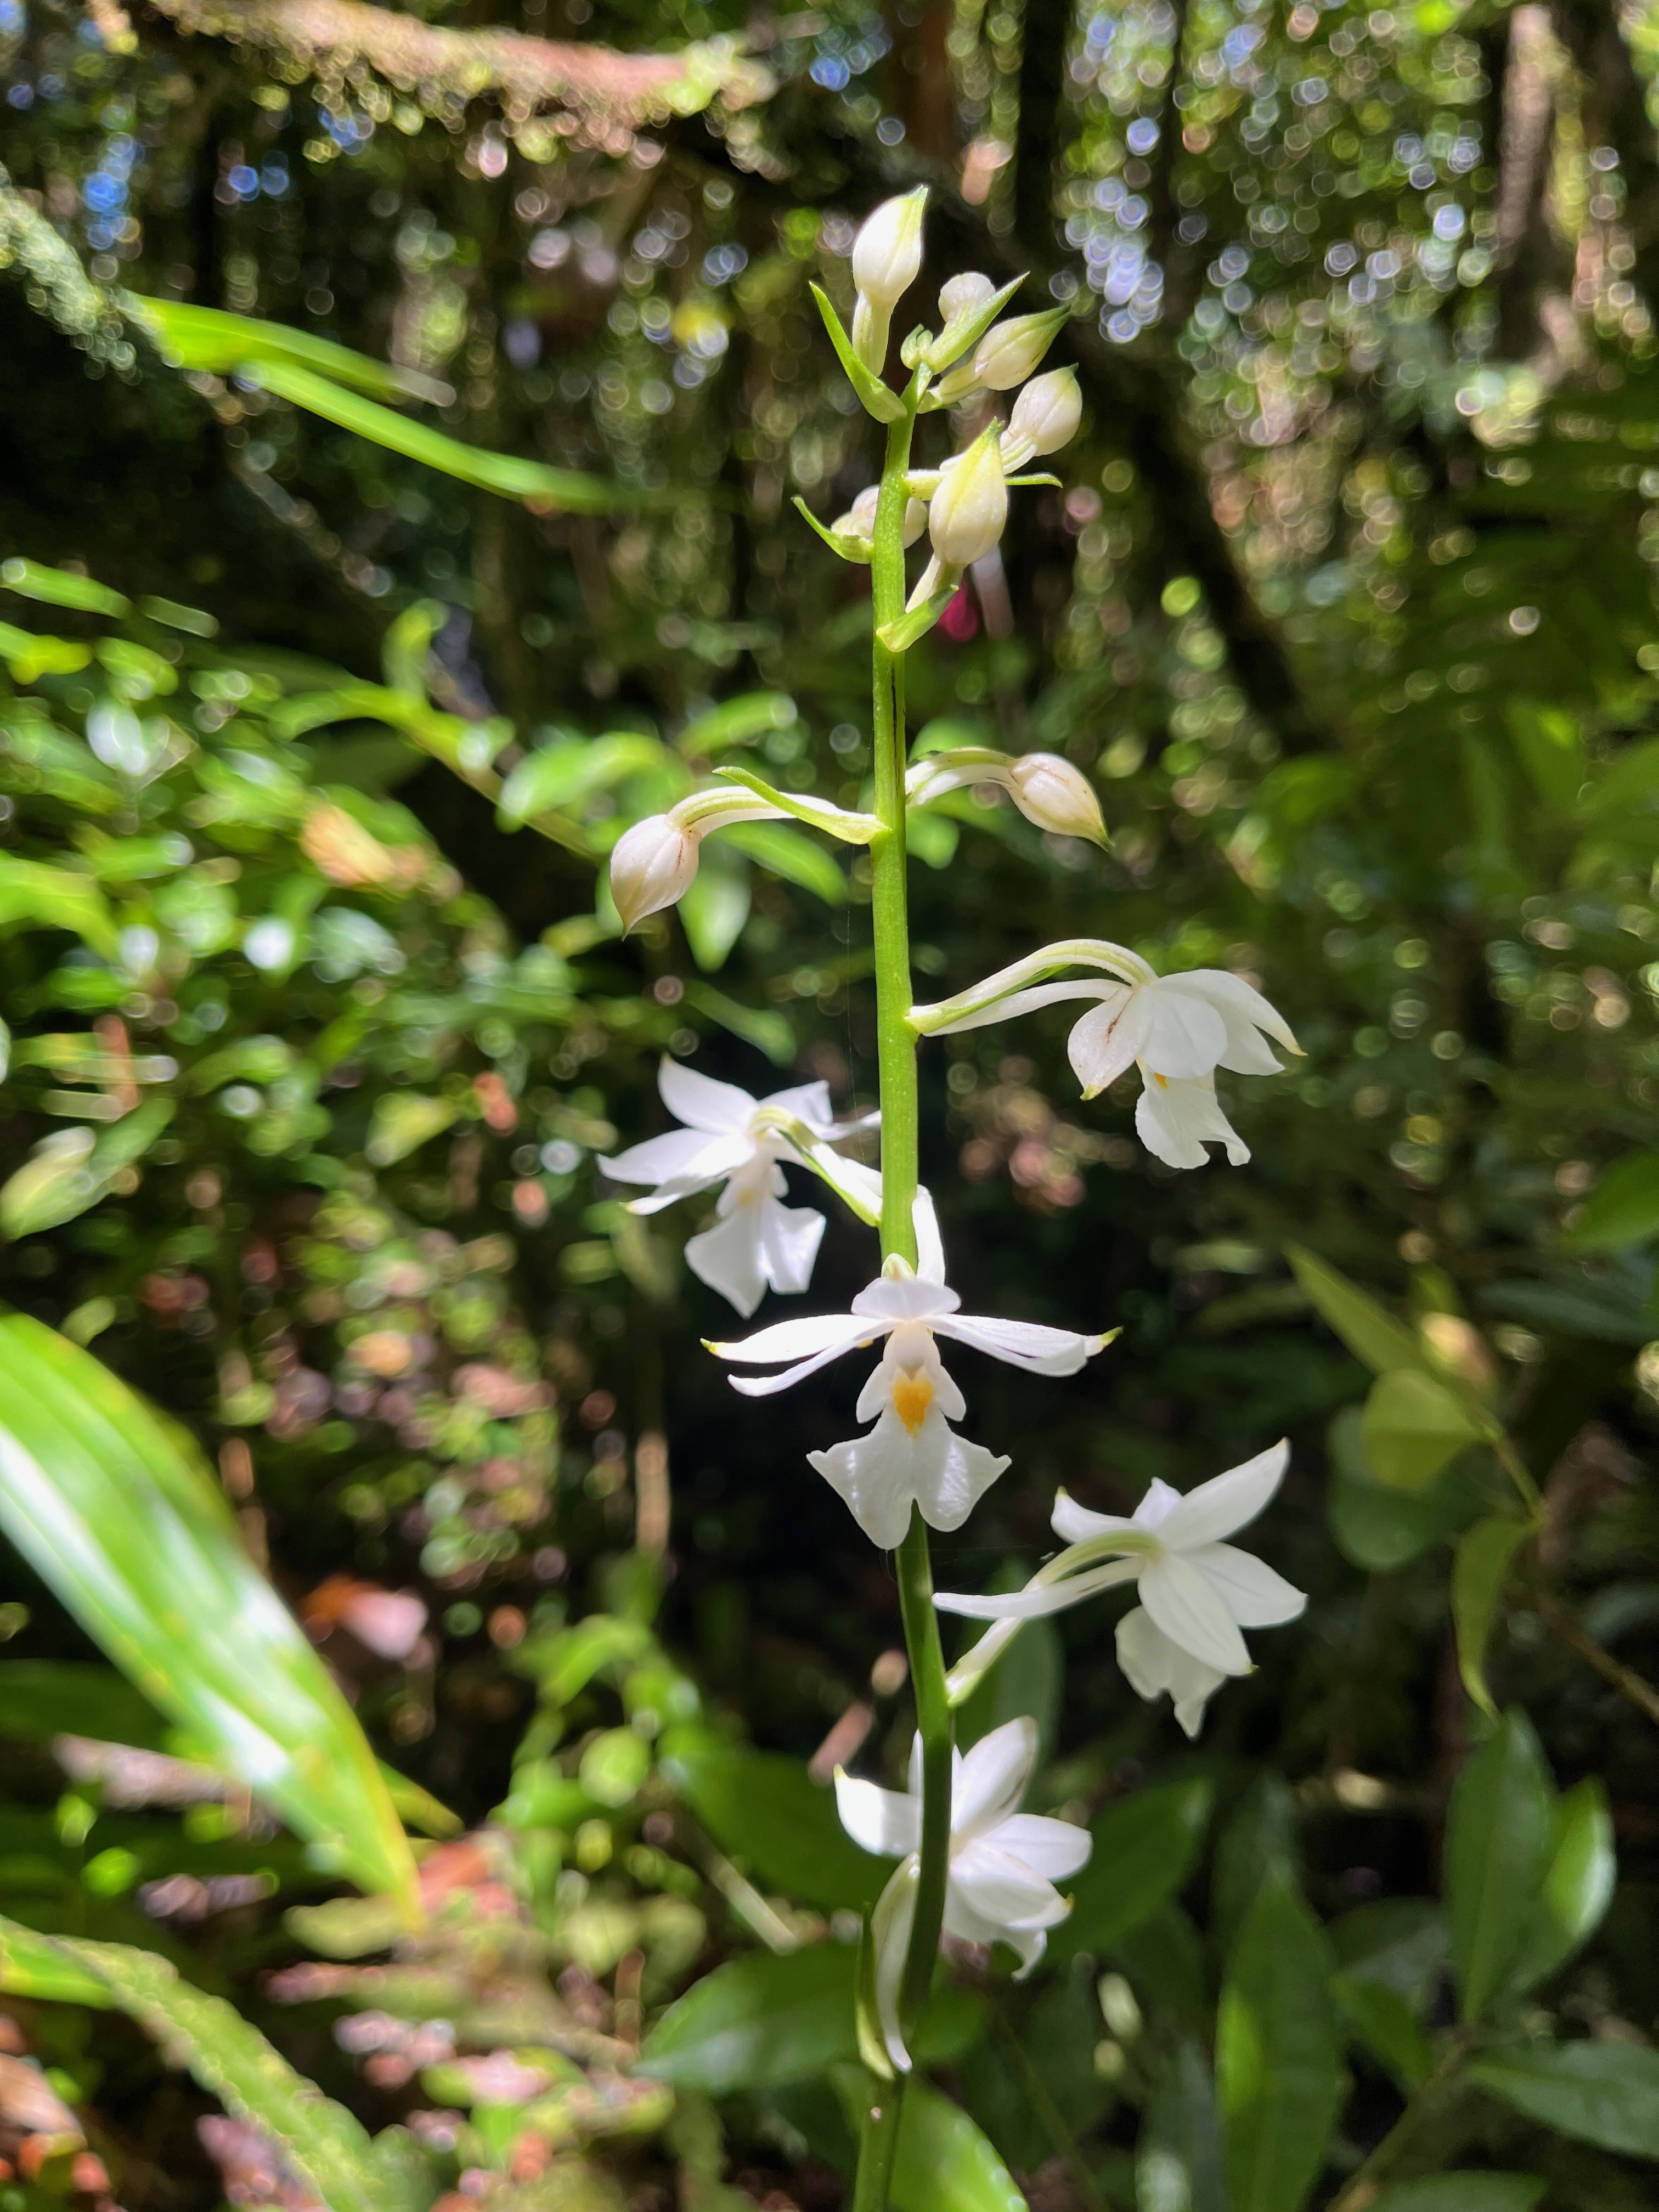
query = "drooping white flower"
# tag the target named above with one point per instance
(1178, 1029)
(968, 514)
(1196, 1591)
(1003, 1866)
(742, 1142)
(886, 260)
(1047, 789)
(912, 1457)
(1045, 417)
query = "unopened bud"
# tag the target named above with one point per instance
(863, 515)
(887, 252)
(1046, 412)
(967, 514)
(1057, 796)
(653, 864)
(1009, 352)
(960, 298)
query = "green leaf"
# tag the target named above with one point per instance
(770, 1814)
(1578, 1883)
(34, 1965)
(402, 1122)
(1179, 2164)
(876, 399)
(211, 338)
(1370, 1332)
(763, 1027)
(1622, 1211)
(1259, 1845)
(1552, 751)
(1481, 1568)
(549, 490)
(42, 897)
(57, 588)
(29, 656)
(1386, 2025)
(1277, 2054)
(41, 1698)
(1412, 1426)
(1144, 1850)
(757, 2021)
(716, 907)
(1498, 1843)
(944, 2163)
(1464, 2193)
(1380, 1528)
(324, 2144)
(1626, 784)
(1606, 2093)
(734, 721)
(784, 853)
(119, 1518)
(561, 774)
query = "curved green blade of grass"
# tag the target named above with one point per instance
(117, 1514)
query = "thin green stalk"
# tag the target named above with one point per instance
(896, 1061)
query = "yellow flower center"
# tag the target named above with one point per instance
(913, 1393)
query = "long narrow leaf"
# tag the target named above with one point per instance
(213, 339)
(115, 1512)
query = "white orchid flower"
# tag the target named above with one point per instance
(912, 1457)
(1003, 1863)
(1178, 1029)
(742, 1142)
(1197, 1592)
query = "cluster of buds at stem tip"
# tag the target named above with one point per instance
(1046, 788)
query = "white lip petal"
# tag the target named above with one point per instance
(1037, 1600)
(730, 1259)
(1053, 1849)
(700, 1101)
(1152, 1665)
(1252, 1592)
(1175, 1120)
(1027, 1344)
(951, 1475)
(688, 1157)
(789, 1237)
(992, 1778)
(1220, 1507)
(874, 1477)
(905, 1297)
(1192, 1614)
(881, 1820)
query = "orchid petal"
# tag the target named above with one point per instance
(687, 1157)
(1005, 1895)
(1240, 1003)
(1192, 1614)
(1152, 1665)
(789, 1237)
(930, 1245)
(880, 1820)
(893, 1299)
(1053, 1849)
(1184, 1034)
(806, 1102)
(1103, 1044)
(1077, 1524)
(993, 1778)
(808, 1334)
(1175, 1120)
(700, 1101)
(1226, 1504)
(890, 1924)
(1252, 1592)
(1025, 1344)
(874, 1477)
(730, 1259)
(1155, 1507)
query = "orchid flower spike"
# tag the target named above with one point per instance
(1178, 1029)
(1196, 1591)
(1003, 1865)
(912, 1457)
(742, 1143)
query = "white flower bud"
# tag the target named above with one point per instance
(887, 252)
(1057, 796)
(967, 514)
(1046, 412)
(653, 864)
(862, 518)
(960, 298)
(1010, 351)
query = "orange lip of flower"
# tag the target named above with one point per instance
(912, 1396)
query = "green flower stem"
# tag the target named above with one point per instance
(897, 1060)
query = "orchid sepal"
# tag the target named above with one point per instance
(874, 396)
